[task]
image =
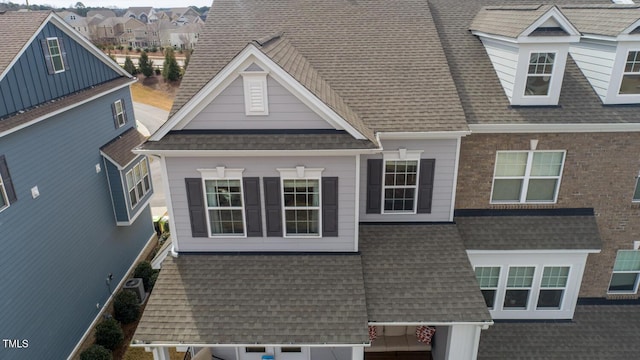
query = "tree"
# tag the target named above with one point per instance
(81, 9)
(128, 66)
(146, 65)
(170, 70)
(187, 57)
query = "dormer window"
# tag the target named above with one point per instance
(631, 76)
(539, 74)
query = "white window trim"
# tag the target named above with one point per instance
(634, 200)
(551, 76)
(625, 54)
(530, 288)
(564, 288)
(497, 287)
(223, 173)
(400, 155)
(3, 194)
(120, 114)
(526, 177)
(518, 98)
(255, 77)
(301, 173)
(635, 288)
(135, 183)
(534, 289)
(53, 64)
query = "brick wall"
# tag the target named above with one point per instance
(600, 172)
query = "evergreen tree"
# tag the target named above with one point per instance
(128, 66)
(146, 65)
(170, 70)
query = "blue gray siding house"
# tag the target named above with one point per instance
(66, 219)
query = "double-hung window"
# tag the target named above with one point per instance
(519, 283)
(224, 207)
(636, 192)
(630, 84)
(55, 55)
(527, 176)
(400, 181)
(4, 200)
(626, 271)
(119, 114)
(138, 182)
(539, 73)
(552, 287)
(301, 206)
(488, 277)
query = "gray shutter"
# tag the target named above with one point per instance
(124, 111)
(425, 185)
(329, 206)
(273, 205)
(47, 56)
(374, 186)
(6, 180)
(253, 214)
(65, 64)
(114, 113)
(195, 201)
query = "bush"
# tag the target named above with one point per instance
(109, 334)
(158, 71)
(154, 49)
(144, 271)
(125, 307)
(120, 47)
(129, 47)
(96, 352)
(154, 277)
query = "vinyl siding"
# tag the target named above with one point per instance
(504, 59)
(227, 111)
(595, 60)
(58, 249)
(444, 151)
(117, 191)
(342, 167)
(30, 84)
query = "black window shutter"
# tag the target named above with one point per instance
(329, 206)
(115, 114)
(124, 111)
(6, 180)
(47, 56)
(195, 200)
(374, 186)
(65, 63)
(252, 206)
(425, 185)
(273, 205)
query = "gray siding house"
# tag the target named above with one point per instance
(68, 218)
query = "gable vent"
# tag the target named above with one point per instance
(255, 93)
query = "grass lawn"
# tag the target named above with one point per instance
(140, 354)
(152, 95)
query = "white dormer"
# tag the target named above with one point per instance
(528, 47)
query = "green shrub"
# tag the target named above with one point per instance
(109, 334)
(125, 306)
(144, 271)
(129, 47)
(154, 277)
(96, 352)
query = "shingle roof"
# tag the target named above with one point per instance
(58, 104)
(508, 21)
(505, 230)
(186, 140)
(605, 19)
(23, 25)
(410, 272)
(261, 299)
(482, 96)
(119, 149)
(383, 58)
(596, 332)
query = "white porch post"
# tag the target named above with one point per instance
(463, 341)
(161, 353)
(357, 353)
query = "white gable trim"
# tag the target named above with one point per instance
(631, 28)
(230, 72)
(556, 14)
(73, 34)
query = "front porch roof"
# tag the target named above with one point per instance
(257, 299)
(419, 274)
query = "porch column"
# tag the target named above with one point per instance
(463, 341)
(357, 353)
(161, 353)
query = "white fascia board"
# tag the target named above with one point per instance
(599, 37)
(144, 206)
(431, 323)
(540, 251)
(559, 17)
(24, 48)
(137, 343)
(495, 37)
(552, 128)
(422, 135)
(254, 153)
(548, 39)
(631, 27)
(115, 163)
(215, 86)
(60, 111)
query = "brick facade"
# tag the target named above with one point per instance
(599, 172)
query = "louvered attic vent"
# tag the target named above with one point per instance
(255, 93)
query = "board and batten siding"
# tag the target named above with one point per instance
(58, 248)
(444, 153)
(595, 60)
(504, 59)
(30, 84)
(342, 167)
(227, 111)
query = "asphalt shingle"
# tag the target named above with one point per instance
(22, 25)
(119, 149)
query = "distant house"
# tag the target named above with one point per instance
(144, 14)
(77, 22)
(74, 213)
